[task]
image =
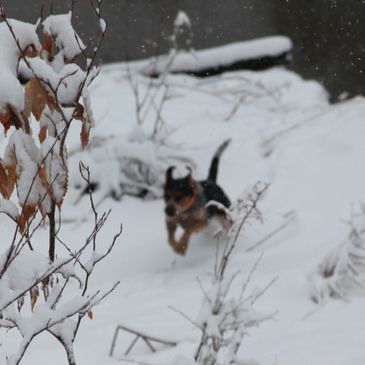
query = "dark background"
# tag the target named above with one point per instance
(328, 35)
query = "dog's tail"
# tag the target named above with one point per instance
(213, 170)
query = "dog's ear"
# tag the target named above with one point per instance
(188, 177)
(169, 172)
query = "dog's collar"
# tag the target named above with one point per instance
(192, 200)
(197, 201)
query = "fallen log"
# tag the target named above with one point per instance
(256, 54)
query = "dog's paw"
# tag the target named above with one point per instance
(180, 250)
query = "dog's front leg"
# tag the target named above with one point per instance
(171, 229)
(182, 244)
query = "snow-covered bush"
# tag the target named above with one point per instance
(226, 315)
(343, 269)
(225, 319)
(127, 165)
(33, 276)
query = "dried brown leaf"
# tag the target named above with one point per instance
(27, 212)
(36, 98)
(81, 115)
(31, 51)
(79, 112)
(85, 134)
(7, 179)
(3, 182)
(8, 118)
(54, 173)
(34, 294)
(20, 303)
(42, 134)
(48, 45)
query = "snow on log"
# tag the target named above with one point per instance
(256, 54)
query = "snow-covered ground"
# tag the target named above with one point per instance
(284, 132)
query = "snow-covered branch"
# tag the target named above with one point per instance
(227, 315)
(343, 269)
(37, 289)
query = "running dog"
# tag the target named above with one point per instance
(187, 203)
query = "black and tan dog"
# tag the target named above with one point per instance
(186, 203)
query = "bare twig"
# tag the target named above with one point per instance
(231, 244)
(289, 219)
(185, 316)
(147, 338)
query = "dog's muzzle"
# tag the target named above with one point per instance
(170, 210)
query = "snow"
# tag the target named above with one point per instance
(21, 148)
(102, 25)
(55, 169)
(66, 82)
(52, 120)
(25, 269)
(11, 91)
(67, 41)
(9, 208)
(182, 19)
(284, 132)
